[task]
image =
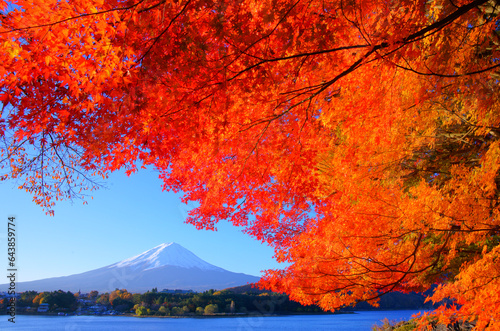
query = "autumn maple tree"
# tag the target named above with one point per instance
(359, 138)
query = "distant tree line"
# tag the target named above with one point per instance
(212, 302)
(57, 300)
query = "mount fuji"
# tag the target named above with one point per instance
(167, 266)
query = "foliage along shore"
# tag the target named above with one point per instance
(234, 302)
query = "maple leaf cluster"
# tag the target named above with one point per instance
(359, 138)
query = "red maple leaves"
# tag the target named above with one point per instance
(360, 139)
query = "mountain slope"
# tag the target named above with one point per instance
(168, 266)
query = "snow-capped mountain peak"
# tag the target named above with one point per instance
(167, 254)
(166, 266)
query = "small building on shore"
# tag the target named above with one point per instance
(43, 308)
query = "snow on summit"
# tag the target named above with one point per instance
(167, 254)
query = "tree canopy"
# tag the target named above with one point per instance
(359, 138)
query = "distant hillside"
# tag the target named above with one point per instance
(389, 301)
(396, 301)
(247, 289)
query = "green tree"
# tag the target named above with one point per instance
(199, 311)
(211, 309)
(177, 311)
(136, 298)
(141, 311)
(120, 304)
(61, 299)
(164, 310)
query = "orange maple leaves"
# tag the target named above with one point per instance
(360, 139)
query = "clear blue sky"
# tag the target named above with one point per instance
(127, 218)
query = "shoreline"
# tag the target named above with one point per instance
(221, 315)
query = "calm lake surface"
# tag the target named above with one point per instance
(363, 320)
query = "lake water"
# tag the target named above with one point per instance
(363, 320)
